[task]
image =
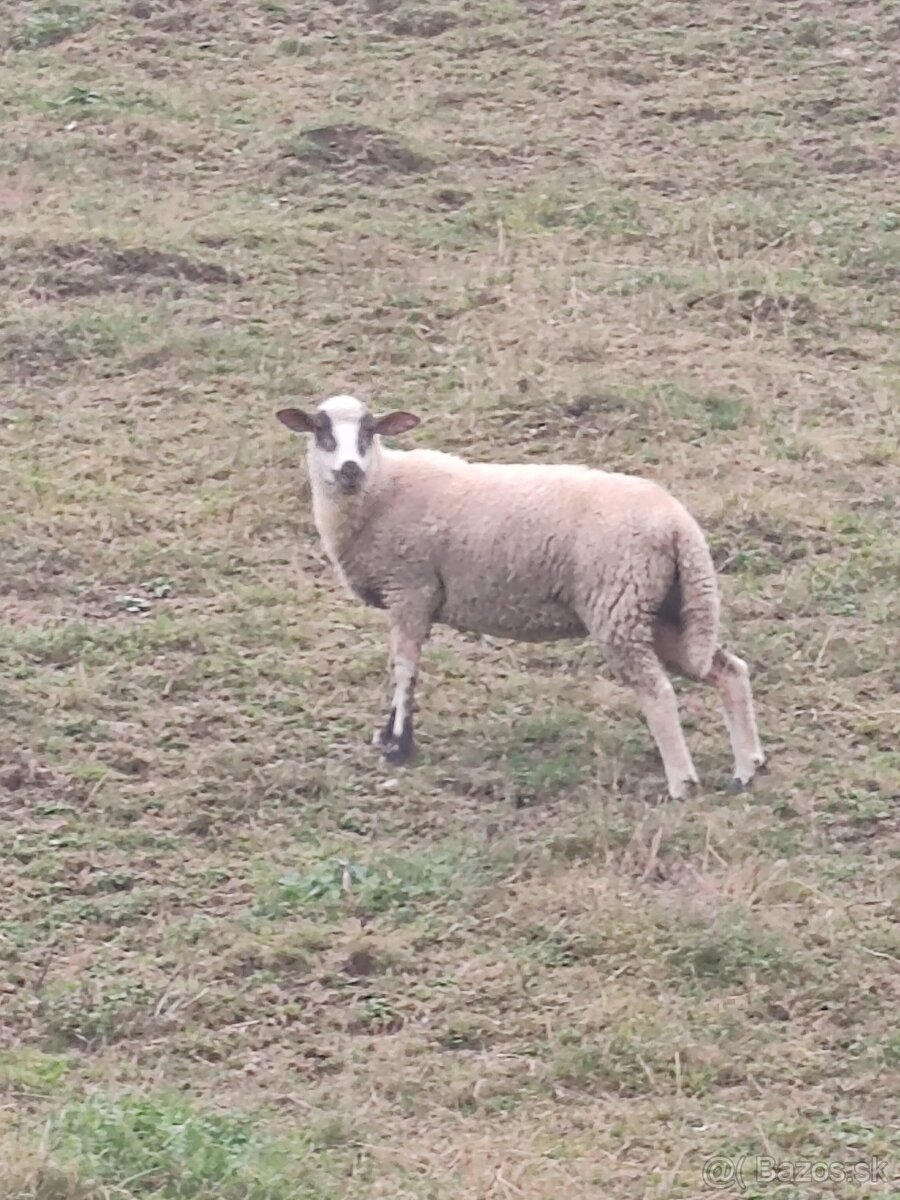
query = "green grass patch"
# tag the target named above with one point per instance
(402, 885)
(26, 1069)
(164, 1146)
(46, 24)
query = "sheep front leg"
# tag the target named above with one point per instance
(396, 737)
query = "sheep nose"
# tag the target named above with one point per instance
(350, 476)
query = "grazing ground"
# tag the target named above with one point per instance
(241, 959)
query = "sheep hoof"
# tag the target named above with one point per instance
(399, 750)
(738, 785)
(681, 791)
(396, 748)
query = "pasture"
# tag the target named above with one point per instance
(242, 959)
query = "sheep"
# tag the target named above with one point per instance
(528, 552)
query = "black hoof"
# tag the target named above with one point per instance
(396, 749)
(737, 786)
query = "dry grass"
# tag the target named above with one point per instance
(624, 233)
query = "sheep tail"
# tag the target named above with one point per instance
(695, 577)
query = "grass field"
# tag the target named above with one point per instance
(241, 959)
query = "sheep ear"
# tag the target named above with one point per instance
(296, 419)
(396, 422)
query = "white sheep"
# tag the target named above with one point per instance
(530, 552)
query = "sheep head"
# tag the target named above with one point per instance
(343, 447)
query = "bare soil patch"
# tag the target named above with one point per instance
(93, 267)
(353, 149)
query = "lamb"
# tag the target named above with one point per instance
(527, 552)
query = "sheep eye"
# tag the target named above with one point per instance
(366, 433)
(323, 434)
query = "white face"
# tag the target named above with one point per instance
(343, 448)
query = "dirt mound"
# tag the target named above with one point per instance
(749, 304)
(351, 149)
(91, 267)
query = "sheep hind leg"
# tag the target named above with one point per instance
(395, 738)
(642, 670)
(730, 677)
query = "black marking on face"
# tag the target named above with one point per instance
(366, 434)
(322, 432)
